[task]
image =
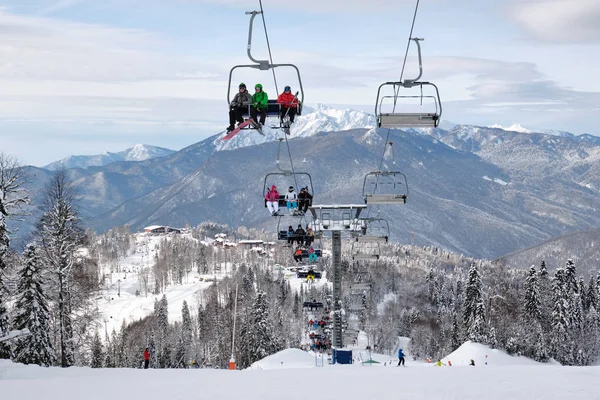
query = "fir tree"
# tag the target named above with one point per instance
(258, 335)
(561, 343)
(532, 297)
(592, 294)
(186, 333)
(97, 352)
(32, 313)
(474, 309)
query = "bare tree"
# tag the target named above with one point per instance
(13, 197)
(60, 236)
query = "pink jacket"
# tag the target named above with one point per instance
(273, 194)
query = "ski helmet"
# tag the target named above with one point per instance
(242, 85)
(258, 86)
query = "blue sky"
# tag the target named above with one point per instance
(83, 76)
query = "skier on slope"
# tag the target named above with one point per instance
(146, 358)
(400, 357)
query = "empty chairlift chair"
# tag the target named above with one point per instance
(403, 118)
(385, 187)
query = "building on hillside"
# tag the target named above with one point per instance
(157, 229)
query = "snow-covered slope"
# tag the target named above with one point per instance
(484, 355)
(139, 152)
(339, 382)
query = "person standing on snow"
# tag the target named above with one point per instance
(400, 357)
(146, 358)
(272, 198)
(238, 106)
(260, 102)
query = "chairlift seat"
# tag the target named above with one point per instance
(273, 109)
(372, 239)
(385, 198)
(304, 274)
(312, 304)
(408, 120)
(365, 257)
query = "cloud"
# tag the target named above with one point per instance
(318, 6)
(37, 49)
(57, 6)
(563, 21)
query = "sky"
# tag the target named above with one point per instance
(85, 76)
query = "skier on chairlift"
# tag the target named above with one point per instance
(238, 106)
(289, 104)
(291, 199)
(305, 200)
(272, 198)
(260, 102)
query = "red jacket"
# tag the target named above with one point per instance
(146, 355)
(287, 100)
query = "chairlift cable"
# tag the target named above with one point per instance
(276, 87)
(406, 53)
(262, 13)
(291, 162)
(397, 90)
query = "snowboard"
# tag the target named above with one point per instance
(242, 126)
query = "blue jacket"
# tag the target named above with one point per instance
(400, 354)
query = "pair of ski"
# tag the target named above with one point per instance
(241, 126)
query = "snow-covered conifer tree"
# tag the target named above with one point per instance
(561, 343)
(474, 309)
(532, 297)
(31, 312)
(258, 335)
(97, 352)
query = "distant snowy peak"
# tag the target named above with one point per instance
(513, 128)
(139, 152)
(314, 119)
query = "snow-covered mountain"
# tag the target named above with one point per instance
(477, 190)
(581, 247)
(139, 152)
(320, 118)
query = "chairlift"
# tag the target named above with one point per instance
(337, 217)
(365, 251)
(273, 108)
(430, 118)
(289, 176)
(385, 187)
(377, 230)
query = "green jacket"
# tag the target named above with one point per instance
(260, 100)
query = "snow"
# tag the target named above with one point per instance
(481, 354)
(349, 382)
(288, 359)
(320, 118)
(496, 180)
(512, 128)
(128, 306)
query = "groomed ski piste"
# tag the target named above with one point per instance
(119, 301)
(292, 374)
